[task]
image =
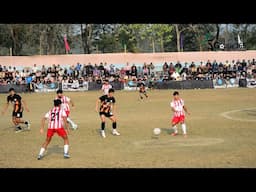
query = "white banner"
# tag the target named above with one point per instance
(251, 83)
(75, 86)
(50, 87)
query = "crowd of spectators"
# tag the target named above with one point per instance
(128, 72)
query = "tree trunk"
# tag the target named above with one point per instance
(86, 34)
(82, 36)
(214, 41)
(198, 37)
(51, 40)
(162, 44)
(178, 37)
(16, 45)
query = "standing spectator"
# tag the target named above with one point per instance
(34, 69)
(165, 67)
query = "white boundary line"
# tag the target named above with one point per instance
(226, 115)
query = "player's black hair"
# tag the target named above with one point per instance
(11, 89)
(56, 102)
(111, 90)
(59, 91)
(175, 93)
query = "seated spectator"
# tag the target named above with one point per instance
(176, 76)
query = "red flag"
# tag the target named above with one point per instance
(66, 44)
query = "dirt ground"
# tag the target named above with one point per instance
(221, 132)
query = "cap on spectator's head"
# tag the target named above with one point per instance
(59, 91)
(57, 102)
(175, 93)
(11, 89)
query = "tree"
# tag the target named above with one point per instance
(17, 33)
(213, 42)
(200, 32)
(127, 37)
(160, 33)
(86, 35)
(179, 28)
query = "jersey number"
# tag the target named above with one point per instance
(53, 115)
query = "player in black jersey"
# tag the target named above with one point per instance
(142, 89)
(107, 109)
(18, 105)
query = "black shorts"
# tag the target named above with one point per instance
(17, 114)
(106, 114)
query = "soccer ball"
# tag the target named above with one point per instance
(157, 131)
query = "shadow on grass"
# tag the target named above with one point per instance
(166, 131)
(54, 149)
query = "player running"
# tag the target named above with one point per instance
(18, 105)
(178, 107)
(65, 101)
(57, 117)
(107, 109)
(106, 86)
(142, 89)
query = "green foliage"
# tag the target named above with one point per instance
(46, 39)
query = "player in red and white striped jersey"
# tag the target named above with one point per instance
(105, 87)
(57, 118)
(178, 107)
(65, 101)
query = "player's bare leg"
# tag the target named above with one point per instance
(44, 147)
(141, 97)
(175, 129)
(19, 121)
(14, 121)
(73, 125)
(184, 129)
(113, 119)
(66, 146)
(103, 120)
(18, 128)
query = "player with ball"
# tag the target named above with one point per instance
(178, 107)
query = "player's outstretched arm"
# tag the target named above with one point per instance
(25, 105)
(186, 110)
(97, 105)
(42, 125)
(66, 125)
